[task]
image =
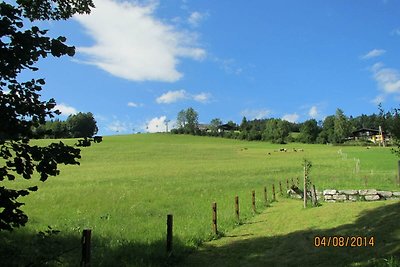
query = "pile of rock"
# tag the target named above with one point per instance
(333, 195)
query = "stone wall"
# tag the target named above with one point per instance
(333, 195)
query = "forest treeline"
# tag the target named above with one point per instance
(334, 129)
(76, 126)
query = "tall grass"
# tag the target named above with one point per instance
(126, 186)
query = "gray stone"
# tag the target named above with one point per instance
(330, 192)
(353, 198)
(385, 194)
(367, 192)
(348, 192)
(392, 198)
(330, 200)
(328, 197)
(396, 194)
(339, 197)
(372, 197)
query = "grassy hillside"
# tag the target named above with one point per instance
(288, 235)
(126, 186)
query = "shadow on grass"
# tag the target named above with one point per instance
(297, 248)
(20, 248)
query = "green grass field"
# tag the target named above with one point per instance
(372, 230)
(126, 186)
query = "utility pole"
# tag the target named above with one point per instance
(166, 124)
(382, 136)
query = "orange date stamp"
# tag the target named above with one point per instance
(344, 241)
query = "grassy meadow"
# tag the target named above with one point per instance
(126, 185)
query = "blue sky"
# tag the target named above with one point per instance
(141, 62)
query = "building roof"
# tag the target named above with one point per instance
(366, 130)
(227, 127)
(203, 127)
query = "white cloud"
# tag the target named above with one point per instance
(228, 65)
(373, 53)
(377, 66)
(134, 105)
(179, 95)
(196, 17)
(156, 125)
(172, 96)
(255, 113)
(378, 99)
(184, 5)
(131, 43)
(119, 127)
(291, 117)
(65, 109)
(313, 112)
(388, 79)
(100, 117)
(396, 32)
(202, 97)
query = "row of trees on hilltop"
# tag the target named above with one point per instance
(76, 126)
(333, 129)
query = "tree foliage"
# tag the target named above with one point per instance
(309, 131)
(276, 131)
(181, 119)
(192, 119)
(54, 9)
(76, 126)
(21, 109)
(341, 127)
(391, 120)
(327, 133)
(334, 129)
(188, 121)
(82, 125)
(214, 124)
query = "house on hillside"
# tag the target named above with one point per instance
(204, 127)
(364, 134)
(371, 135)
(227, 127)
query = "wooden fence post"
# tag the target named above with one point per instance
(298, 182)
(305, 187)
(292, 181)
(169, 232)
(214, 218)
(86, 240)
(280, 188)
(398, 173)
(265, 195)
(253, 200)
(314, 196)
(273, 193)
(287, 184)
(237, 208)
